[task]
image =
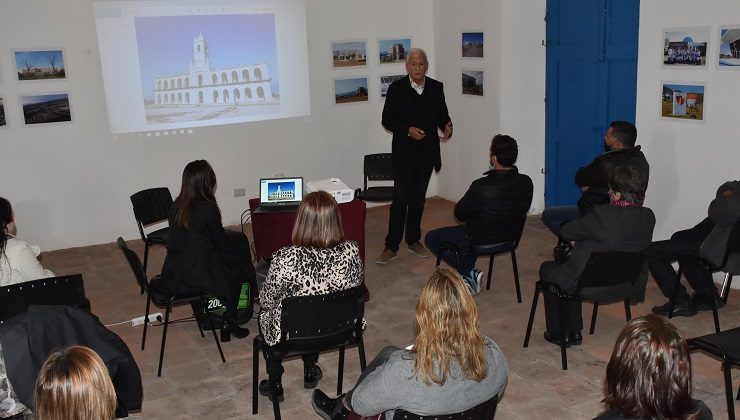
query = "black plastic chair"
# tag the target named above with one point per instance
(152, 206)
(311, 324)
(483, 411)
(167, 301)
(377, 167)
(61, 290)
(607, 278)
(494, 235)
(725, 345)
(730, 264)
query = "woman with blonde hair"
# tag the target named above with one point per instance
(320, 261)
(649, 374)
(451, 367)
(74, 384)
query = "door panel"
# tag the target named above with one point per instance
(591, 72)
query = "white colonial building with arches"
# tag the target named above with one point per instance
(206, 86)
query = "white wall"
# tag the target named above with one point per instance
(514, 88)
(688, 161)
(70, 184)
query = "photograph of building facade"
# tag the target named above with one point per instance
(204, 85)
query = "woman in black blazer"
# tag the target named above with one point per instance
(201, 255)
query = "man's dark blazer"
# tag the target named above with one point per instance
(405, 108)
(606, 228)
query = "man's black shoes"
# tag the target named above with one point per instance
(682, 308)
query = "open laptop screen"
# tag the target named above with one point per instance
(281, 191)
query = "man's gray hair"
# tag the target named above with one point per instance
(415, 51)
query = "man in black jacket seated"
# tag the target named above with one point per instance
(502, 192)
(593, 180)
(621, 225)
(714, 231)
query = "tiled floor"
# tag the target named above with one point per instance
(196, 385)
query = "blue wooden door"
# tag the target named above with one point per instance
(591, 79)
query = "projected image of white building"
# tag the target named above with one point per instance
(204, 85)
(208, 69)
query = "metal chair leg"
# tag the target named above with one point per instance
(361, 350)
(164, 336)
(715, 315)
(726, 286)
(531, 316)
(490, 272)
(146, 320)
(255, 374)
(340, 371)
(727, 368)
(627, 309)
(593, 318)
(197, 316)
(516, 276)
(563, 351)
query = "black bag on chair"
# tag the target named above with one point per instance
(562, 251)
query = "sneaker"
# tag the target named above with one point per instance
(418, 249)
(478, 276)
(268, 388)
(470, 282)
(386, 256)
(312, 374)
(683, 308)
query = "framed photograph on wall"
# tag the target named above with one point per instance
(472, 82)
(49, 108)
(472, 44)
(685, 47)
(386, 80)
(40, 64)
(349, 53)
(393, 50)
(3, 118)
(350, 90)
(684, 101)
(729, 47)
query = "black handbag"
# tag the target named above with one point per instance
(562, 251)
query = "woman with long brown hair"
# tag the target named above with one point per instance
(18, 261)
(320, 261)
(451, 367)
(74, 384)
(649, 374)
(201, 255)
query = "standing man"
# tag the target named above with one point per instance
(414, 110)
(593, 179)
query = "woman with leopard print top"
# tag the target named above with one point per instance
(319, 262)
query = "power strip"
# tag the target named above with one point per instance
(152, 317)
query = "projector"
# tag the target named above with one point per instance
(334, 186)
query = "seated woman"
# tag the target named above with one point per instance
(201, 255)
(451, 367)
(74, 384)
(622, 225)
(18, 261)
(649, 374)
(320, 261)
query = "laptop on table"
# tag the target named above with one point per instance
(280, 195)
